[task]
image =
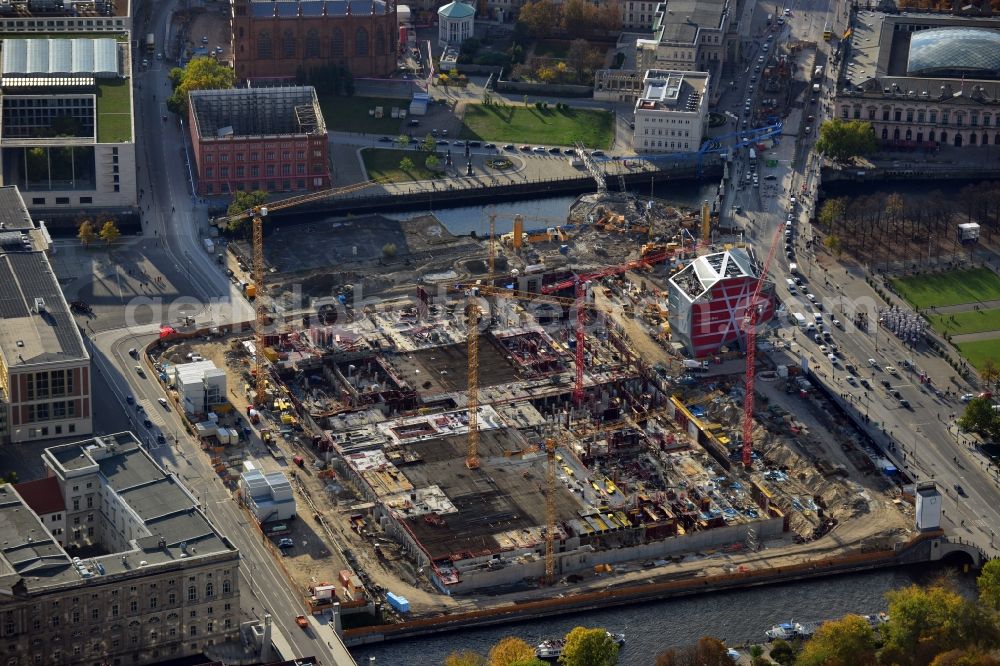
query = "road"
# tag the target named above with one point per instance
(922, 438)
(176, 222)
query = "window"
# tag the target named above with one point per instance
(194, 614)
(37, 201)
(209, 590)
(75, 618)
(239, 172)
(193, 630)
(264, 44)
(255, 171)
(192, 593)
(76, 507)
(223, 172)
(209, 173)
(312, 44)
(114, 610)
(210, 626)
(95, 614)
(269, 170)
(63, 201)
(286, 169)
(361, 42)
(227, 623)
(133, 607)
(288, 44)
(55, 620)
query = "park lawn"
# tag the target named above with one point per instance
(552, 48)
(519, 124)
(382, 165)
(350, 114)
(951, 288)
(975, 321)
(114, 112)
(977, 353)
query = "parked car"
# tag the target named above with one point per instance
(286, 543)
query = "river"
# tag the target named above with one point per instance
(652, 627)
(551, 211)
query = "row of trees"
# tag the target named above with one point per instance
(583, 647)
(880, 227)
(88, 233)
(546, 18)
(927, 626)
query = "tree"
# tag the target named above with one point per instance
(848, 641)
(202, 73)
(579, 16)
(87, 235)
(109, 232)
(534, 661)
(243, 202)
(757, 657)
(579, 51)
(429, 144)
(833, 244)
(989, 585)
(782, 652)
(980, 417)
(923, 622)
(989, 372)
(843, 140)
(589, 647)
(406, 164)
(508, 651)
(540, 17)
(464, 658)
(432, 162)
(402, 141)
(964, 658)
(832, 212)
(389, 250)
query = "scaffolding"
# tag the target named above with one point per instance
(257, 112)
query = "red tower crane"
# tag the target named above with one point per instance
(750, 318)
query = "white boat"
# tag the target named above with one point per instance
(551, 649)
(787, 631)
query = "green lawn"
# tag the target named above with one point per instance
(382, 165)
(350, 114)
(114, 112)
(552, 48)
(959, 323)
(951, 288)
(977, 352)
(509, 124)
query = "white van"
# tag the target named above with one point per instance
(791, 286)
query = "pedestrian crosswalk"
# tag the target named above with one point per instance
(151, 412)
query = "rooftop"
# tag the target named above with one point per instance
(920, 56)
(220, 114)
(296, 8)
(60, 57)
(35, 322)
(707, 270)
(173, 526)
(42, 495)
(673, 91)
(57, 8)
(682, 19)
(457, 10)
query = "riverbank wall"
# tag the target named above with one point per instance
(927, 547)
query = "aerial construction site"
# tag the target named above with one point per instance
(509, 413)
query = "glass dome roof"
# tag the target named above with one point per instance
(955, 52)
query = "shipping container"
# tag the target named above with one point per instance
(399, 603)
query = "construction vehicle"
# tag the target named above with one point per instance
(257, 215)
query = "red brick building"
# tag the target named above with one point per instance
(275, 40)
(271, 139)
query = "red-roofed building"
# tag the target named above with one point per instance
(45, 498)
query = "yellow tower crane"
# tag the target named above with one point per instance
(257, 215)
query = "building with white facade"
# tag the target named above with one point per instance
(138, 576)
(670, 114)
(688, 35)
(268, 495)
(456, 23)
(44, 366)
(923, 80)
(67, 138)
(200, 386)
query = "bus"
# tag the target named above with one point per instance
(827, 33)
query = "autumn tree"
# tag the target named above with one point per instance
(924, 622)
(540, 17)
(849, 641)
(843, 140)
(834, 244)
(832, 212)
(708, 651)
(989, 372)
(464, 658)
(508, 651)
(109, 232)
(579, 16)
(201, 73)
(243, 202)
(989, 585)
(589, 647)
(87, 234)
(964, 658)
(980, 417)
(782, 653)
